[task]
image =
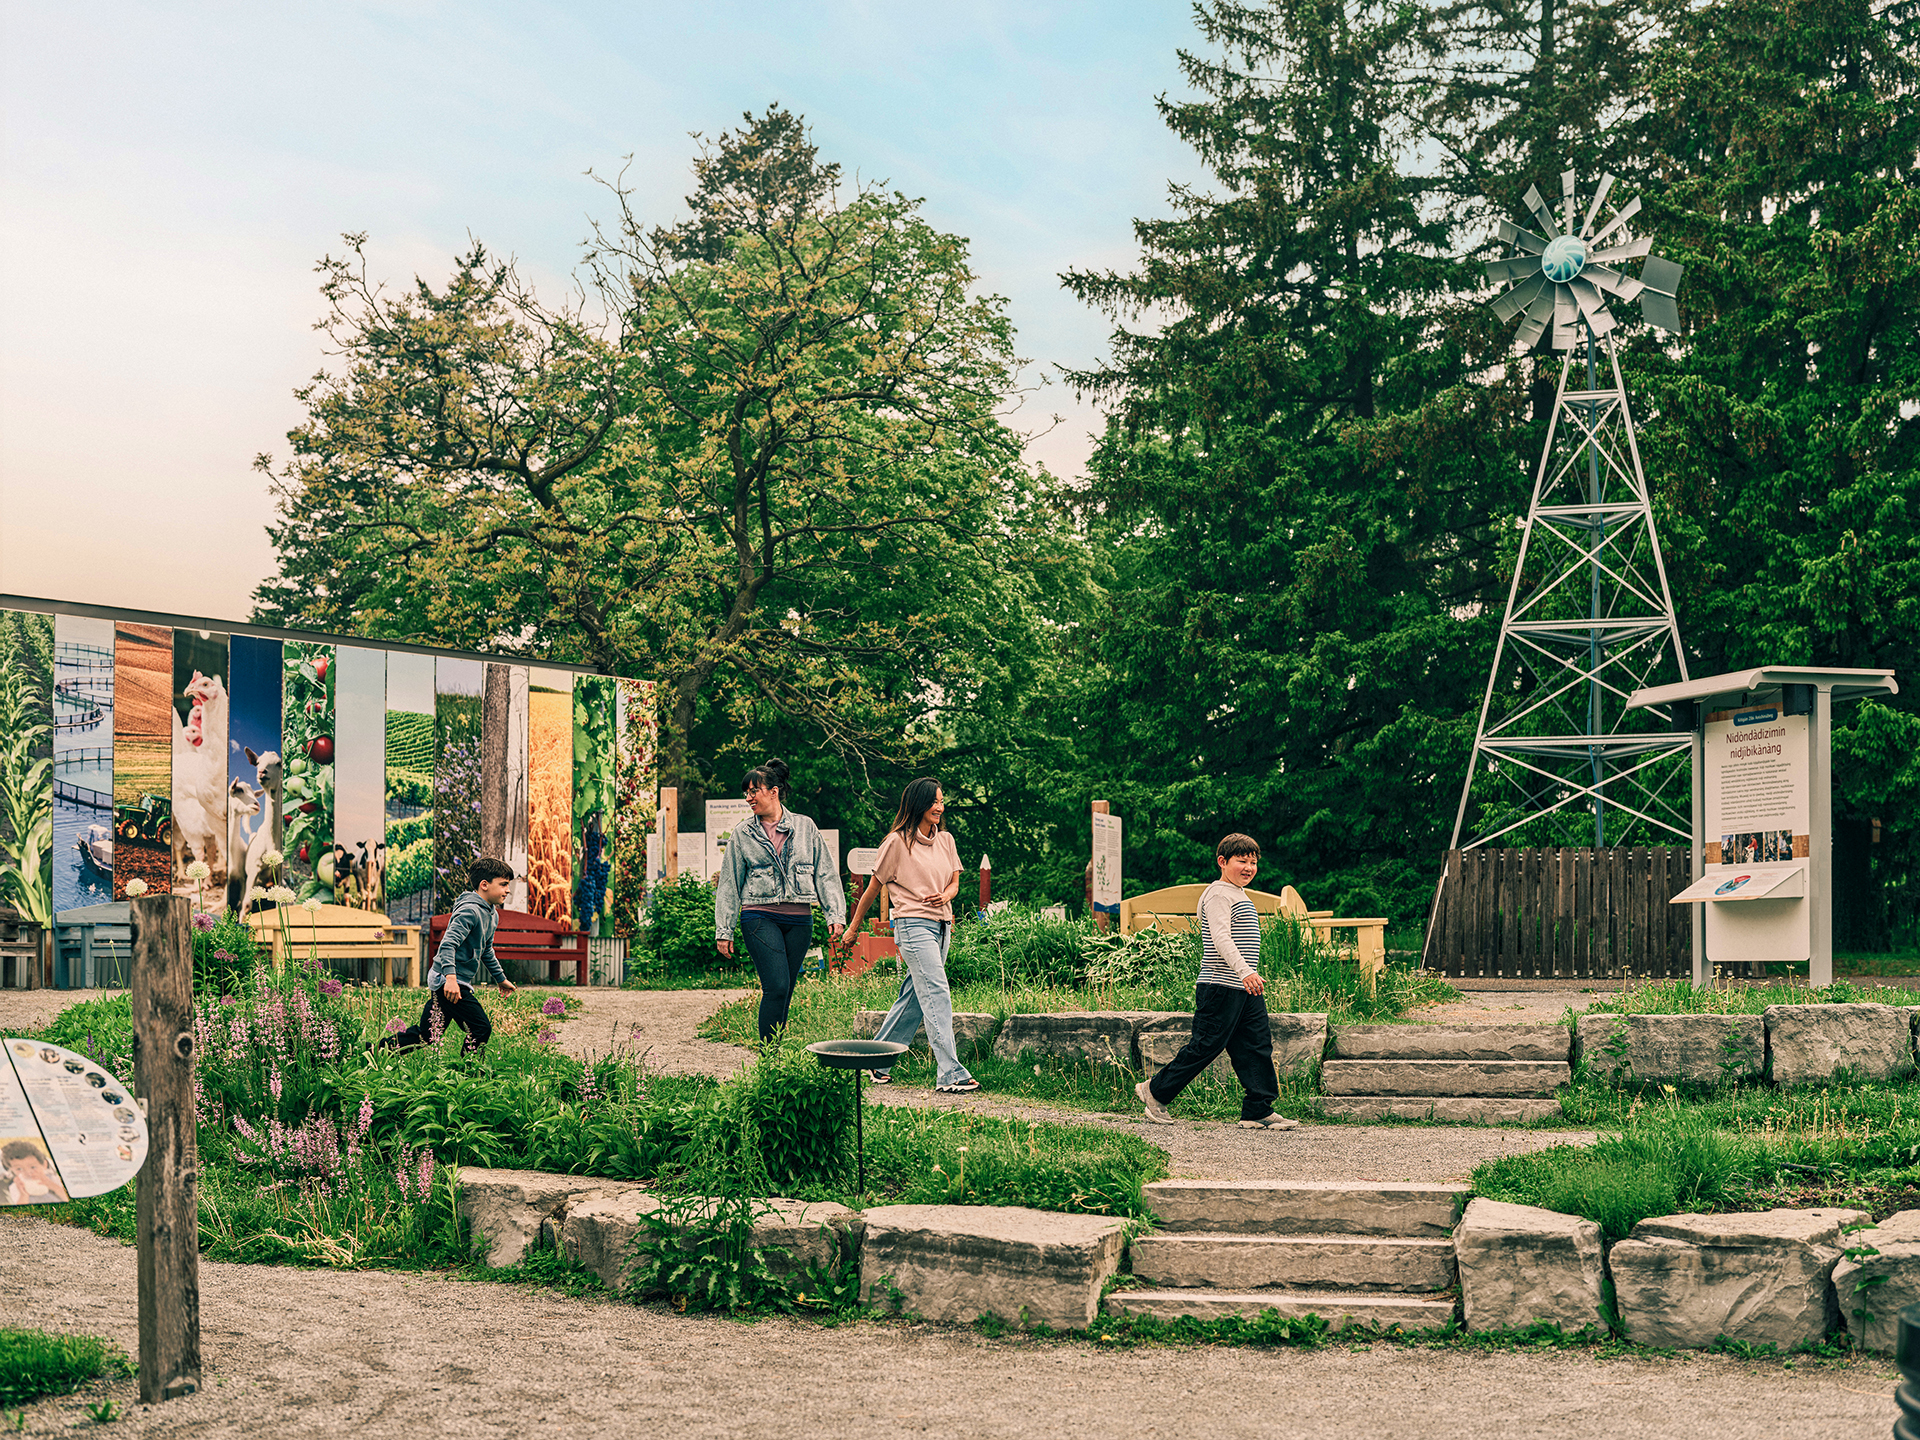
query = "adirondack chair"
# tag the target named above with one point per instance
(1173, 909)
(339, 933)
(520, 939)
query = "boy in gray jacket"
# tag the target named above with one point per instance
(464, 949)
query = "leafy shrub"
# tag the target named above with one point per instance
(34, 1363)
(700, 1252)
(678, 933)
(782, 1123)
(1019, 948)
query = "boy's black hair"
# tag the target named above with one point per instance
(486, 868)
(1237, 844)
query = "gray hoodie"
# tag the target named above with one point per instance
(467, 944)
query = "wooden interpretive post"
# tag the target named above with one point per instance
(669, 825)
(169, 1193)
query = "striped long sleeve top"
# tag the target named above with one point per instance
(1229, 935)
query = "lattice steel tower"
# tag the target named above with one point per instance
(1589, 615)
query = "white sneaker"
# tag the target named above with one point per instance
(1157, 1114)
(1274, 1121)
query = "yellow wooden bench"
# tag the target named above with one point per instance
(1174, 910)
(339, 932)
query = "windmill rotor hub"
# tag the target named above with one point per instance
(1564, 258)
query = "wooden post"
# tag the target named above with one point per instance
(1101, 919)
(986, 882)
(169, 1192)
(669, 823)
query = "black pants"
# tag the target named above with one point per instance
(467, 1014)
(779, 950)
(1226, 1018)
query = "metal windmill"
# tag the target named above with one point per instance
(1589, 616)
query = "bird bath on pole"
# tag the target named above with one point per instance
(858, 1055)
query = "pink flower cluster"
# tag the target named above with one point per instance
(554, 1006)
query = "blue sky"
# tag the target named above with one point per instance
(169, 175)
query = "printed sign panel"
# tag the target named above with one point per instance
(82, 762)
(722, 816)
(1758, 797)
(68, 1128)
(1106, 864)
(862, 858)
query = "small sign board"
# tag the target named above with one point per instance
(1106, 864)
(68, 1128)
(693, 856)
(722, 816)
(862, 858)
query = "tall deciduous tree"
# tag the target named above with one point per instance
(794, 399)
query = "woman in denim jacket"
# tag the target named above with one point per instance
(777, 869)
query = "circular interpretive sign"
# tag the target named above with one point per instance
(68, 1129)
(862, 858)
(1729, 886)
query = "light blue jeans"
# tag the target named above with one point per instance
(924, 996)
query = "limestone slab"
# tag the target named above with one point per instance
(1452, 1042)
(1306, 1207)
(969, 1027)
(508, 1209)
(1817, 1042)
(1333, 1262)
(1761, 1277)
(959, 1262)
(1106, 1037)
(1299, 1042)
(1340, 1310)
(1444, 1077)
(1452, 1109)
(1697, 1049)
(1879, 1277)
(1520, 1265)
(599, 1232)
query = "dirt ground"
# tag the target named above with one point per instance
(298, 1353)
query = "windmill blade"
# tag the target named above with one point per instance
(1566, 311)
(1518, 298)
(1501, 271)
(1627, 212)
(1623, 287)
(1660, 282)
(1537, 203)
(1511, 234)
(1599, 199)
(1631, 250)
(1566, 198)
(1592, 308)
(1539, 313)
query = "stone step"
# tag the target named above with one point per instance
(1452, 1042)
(1338, 1309)
(1444, 1077)
(1306, 1207)
(1332, 1262)
(1452, 1109)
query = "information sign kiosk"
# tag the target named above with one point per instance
(1763, 809)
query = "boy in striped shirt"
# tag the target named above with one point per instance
(1229, 1005)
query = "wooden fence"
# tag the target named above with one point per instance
(1571, 913)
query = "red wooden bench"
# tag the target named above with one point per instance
(523, 939)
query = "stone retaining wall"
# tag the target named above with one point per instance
(1788, 1044)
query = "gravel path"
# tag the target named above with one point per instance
(315, 1353)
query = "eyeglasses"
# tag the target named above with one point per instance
(753, 790)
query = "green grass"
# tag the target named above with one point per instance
(1668, 1151)
(34, 1364)
(1680, 997)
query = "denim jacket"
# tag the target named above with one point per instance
(801, 874)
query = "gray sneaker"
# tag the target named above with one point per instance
(1157, 1114)
(1272, 1121)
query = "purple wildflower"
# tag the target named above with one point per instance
(203, 920)
(554, 1006)
(547, 1037)
(330, 987)
(426, 1173)
(396, 1025)
(226, 999)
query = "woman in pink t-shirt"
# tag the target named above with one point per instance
(921, 867)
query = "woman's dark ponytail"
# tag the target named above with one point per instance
(773, 776)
